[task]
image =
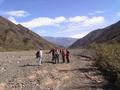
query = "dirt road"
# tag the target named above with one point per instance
(19, 71)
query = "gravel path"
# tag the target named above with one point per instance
(19, 71)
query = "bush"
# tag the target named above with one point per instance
(108, 59)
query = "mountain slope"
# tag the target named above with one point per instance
(62, 41)
(109, 34)
(14, 36)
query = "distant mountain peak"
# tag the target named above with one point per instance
(61, 41)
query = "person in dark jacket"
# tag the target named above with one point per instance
(67, 56)
(63, 55)
(37, 54)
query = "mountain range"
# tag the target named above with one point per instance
(18, 37)
(110, 34)
(61, 41)
(14, 37)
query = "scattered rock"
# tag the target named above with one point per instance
(23, 73)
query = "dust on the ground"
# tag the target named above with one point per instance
(19, 71)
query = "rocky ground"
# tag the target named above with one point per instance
(19, 71)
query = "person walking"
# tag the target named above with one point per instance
(39, 56)
(67, 56)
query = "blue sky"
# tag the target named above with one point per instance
(61, 18)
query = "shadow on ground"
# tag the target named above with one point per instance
(28, 65)
(83, 70)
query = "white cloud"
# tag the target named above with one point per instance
(70, 23)
(80, 35)
(44, 21)
(87, 24)
(73, 26)
(59, 19)
(19, 13)
(94, 21)
(78, 19)
(80, 29)
(86, 21)
(12, 19)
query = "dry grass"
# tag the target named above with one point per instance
(109, 60)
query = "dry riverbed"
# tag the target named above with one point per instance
(19, 71)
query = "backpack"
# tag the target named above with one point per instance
(37, 54)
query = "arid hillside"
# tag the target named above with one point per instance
(110, 34)
(17, 37)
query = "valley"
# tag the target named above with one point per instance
(19, 71)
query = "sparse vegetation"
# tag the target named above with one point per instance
(17, 37)
(25, 40)
(108, 59)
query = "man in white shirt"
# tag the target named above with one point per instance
(41, 53)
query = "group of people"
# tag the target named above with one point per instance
(56, 54)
